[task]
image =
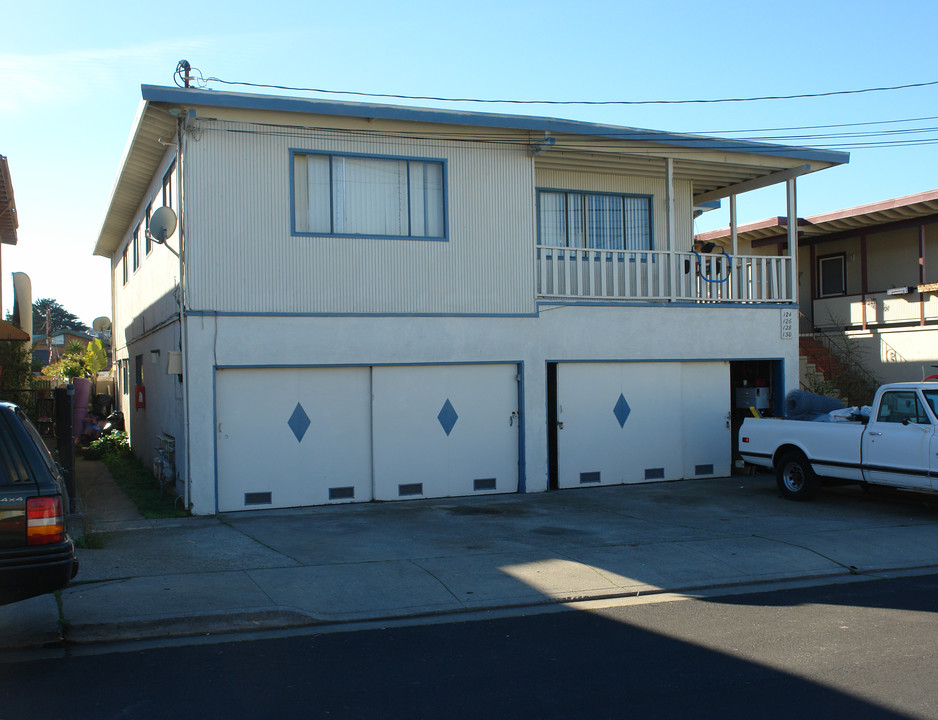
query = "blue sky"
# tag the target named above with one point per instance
(70, 76)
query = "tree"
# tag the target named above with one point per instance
(61, 318)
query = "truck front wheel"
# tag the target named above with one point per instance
(795, 478)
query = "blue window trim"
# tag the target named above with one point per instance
(332, 234)
(567, 191)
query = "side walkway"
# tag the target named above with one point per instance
(272, 569)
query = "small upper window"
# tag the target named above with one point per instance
(125, 270)
(365, 196)
(136, 247)
(832, 275)
(146, 232)
(168, 185)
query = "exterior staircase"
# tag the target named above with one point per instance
(818, 357)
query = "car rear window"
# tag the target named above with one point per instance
(12, 465)
(37, 440)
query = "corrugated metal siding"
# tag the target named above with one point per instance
(241, 256)
(597, 182)
(149, 297)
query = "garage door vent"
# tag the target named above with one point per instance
(410, 489)
(703, 469)
(342, 493)
(654, 473)
(483, 484)
(257, 498)
(590, 477)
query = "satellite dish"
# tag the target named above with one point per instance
(162, 224)
(101, 324)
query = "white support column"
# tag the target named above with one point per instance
(733, 226)
(669, 200)
(734, 247)
(791, 195)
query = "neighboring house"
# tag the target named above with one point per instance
(60, 342)
(378, 303)
(868, 272)
(9, 221)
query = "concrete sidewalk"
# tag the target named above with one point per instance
(290, 568)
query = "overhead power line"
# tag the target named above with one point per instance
(798, 96)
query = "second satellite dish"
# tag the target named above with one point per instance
(162, 224)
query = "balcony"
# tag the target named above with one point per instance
(579, 274)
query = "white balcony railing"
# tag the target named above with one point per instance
(661, 276)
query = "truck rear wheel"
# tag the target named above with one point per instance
(795, 478)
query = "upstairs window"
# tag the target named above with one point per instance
(365, 196)
(832, 275)
(146, 232)
(168, 186)
(600, 221)
(136, 247)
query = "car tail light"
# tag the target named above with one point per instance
(45, 520)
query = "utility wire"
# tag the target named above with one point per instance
(571, 102)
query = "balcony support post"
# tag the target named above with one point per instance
(669, 199)
(791, 196)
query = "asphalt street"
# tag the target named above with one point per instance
(863, 649)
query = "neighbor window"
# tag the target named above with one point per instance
(125, 271)
(136, 248)
(832, 275)
(594, 220)
(354, 195)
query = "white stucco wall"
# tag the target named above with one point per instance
(558, 333)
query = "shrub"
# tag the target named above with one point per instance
(114, 443)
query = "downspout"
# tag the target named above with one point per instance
(183, 334)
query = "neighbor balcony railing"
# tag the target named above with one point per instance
(661, 276)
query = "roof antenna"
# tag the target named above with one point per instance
(183, 67)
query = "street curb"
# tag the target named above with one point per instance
(188, 626)
(267, 620)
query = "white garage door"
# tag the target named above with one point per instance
(445, 430)
(293, 437)
(639, 422)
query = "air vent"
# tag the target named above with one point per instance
(654, 473)
(410, 489)
(483, 484)
(257, 498)
(703, 469)
(590, 477)
(342, 493)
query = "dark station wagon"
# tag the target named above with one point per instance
(36, 554)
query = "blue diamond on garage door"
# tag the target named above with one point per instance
(299, 422)
(622, 410)
(447, 417)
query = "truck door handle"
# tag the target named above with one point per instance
(874, 433)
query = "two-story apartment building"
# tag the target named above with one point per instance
(367, 302)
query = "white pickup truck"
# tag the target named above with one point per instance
(896, 446)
